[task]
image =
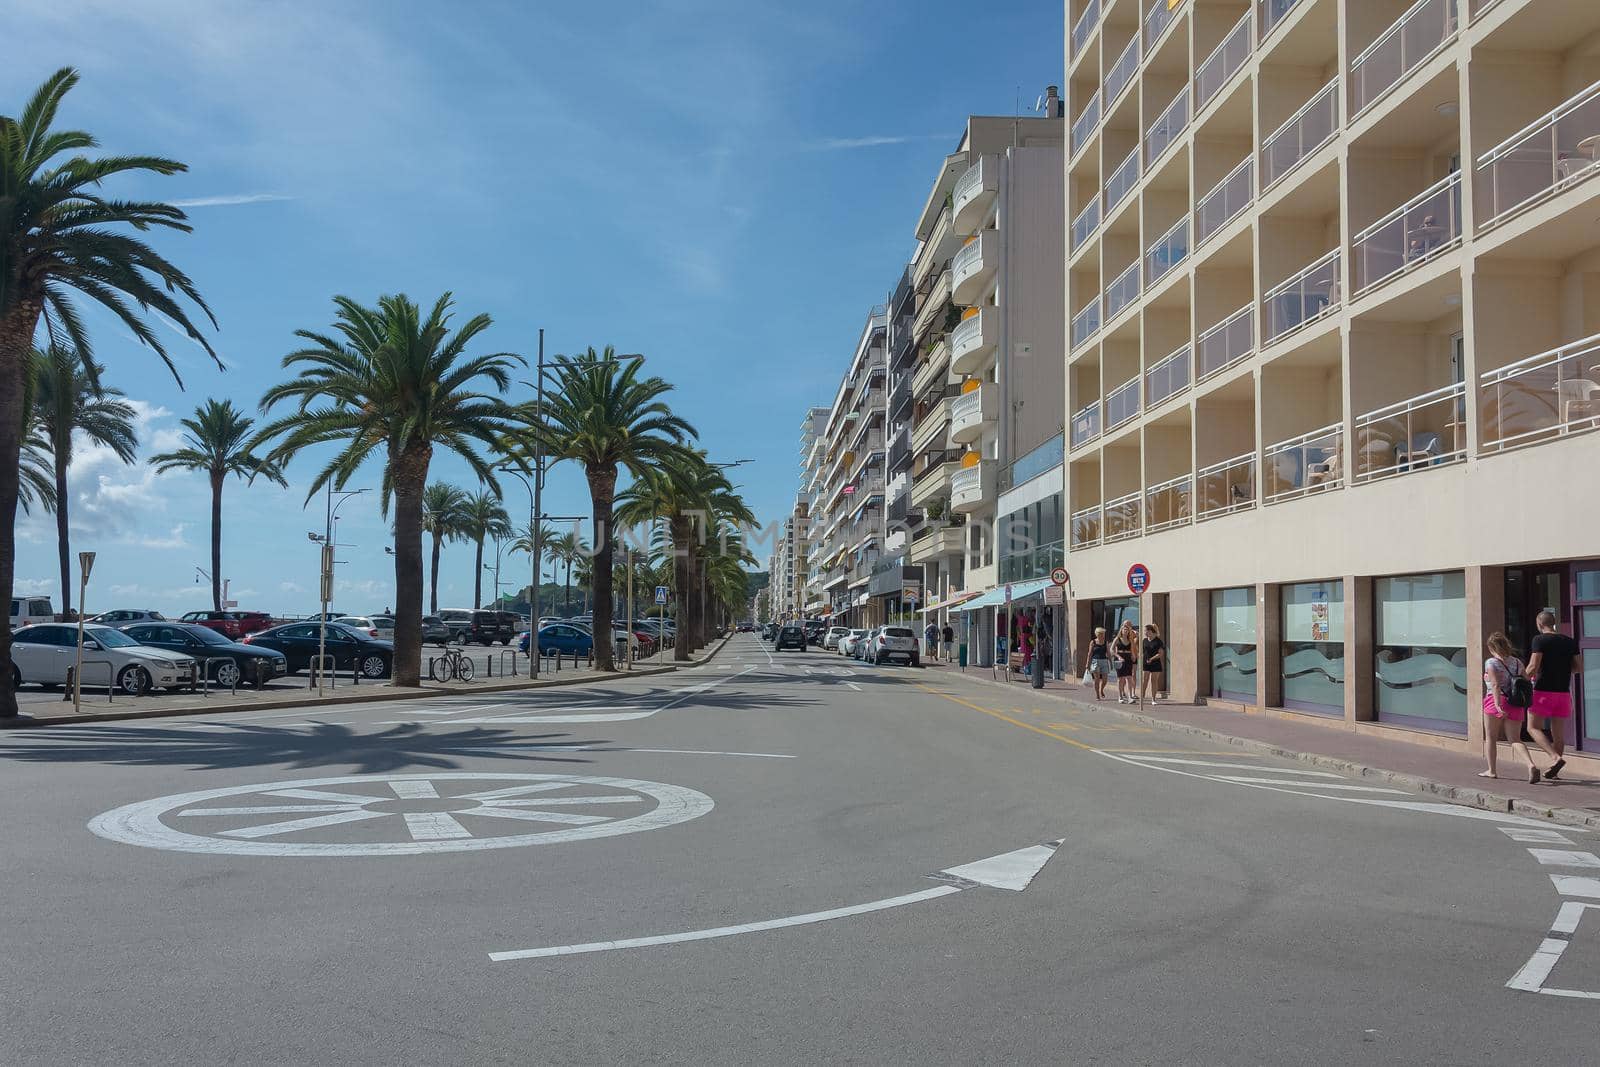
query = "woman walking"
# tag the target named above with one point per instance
(1501, 671)
(1122, 649)
(1154, 653)
(1098, 667)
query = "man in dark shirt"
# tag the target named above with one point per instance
(1552, 659)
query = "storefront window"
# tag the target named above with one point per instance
(1313, 646)
(1421, 655)
(1233, 648)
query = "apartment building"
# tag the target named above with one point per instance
(1333, 282)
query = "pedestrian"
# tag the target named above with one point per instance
(1551, 660)
(949, 635)
(1154, 653)
(1122, 650)
(930, 635)
(1502, 710)
(1097, 667)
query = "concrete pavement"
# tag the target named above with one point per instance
(364, 884)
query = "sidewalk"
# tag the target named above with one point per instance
(1406, 764)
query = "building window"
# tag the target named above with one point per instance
(1233, 643)
(1313, 646)
(1421, 651)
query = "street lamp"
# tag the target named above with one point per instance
(327, 541)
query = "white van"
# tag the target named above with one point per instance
(28, 610)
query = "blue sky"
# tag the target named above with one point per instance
(724, 186)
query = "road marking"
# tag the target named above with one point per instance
(1539, 966)
(434, 826)
(422, 790)
(272, 829)
(1530, 836)
(1572, 886)
(270, 809)
(1011, 870)
(1006, 718)
(856, 687)
(1176, 751)
(1234, 766)
(1555, 857)
(1567, 918)
(1311, 785)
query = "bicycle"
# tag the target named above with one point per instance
(455, 665)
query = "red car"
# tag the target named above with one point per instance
(233, 625)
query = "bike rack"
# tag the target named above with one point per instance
(331, 671)
(205, 674)
(111, 680)
(504, 652)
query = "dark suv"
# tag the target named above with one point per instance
(482, 627)
(790, 636)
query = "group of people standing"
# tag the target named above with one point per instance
(1538, 692)
(1119, 655)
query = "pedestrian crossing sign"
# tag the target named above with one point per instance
(661, 594)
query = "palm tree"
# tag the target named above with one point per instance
(391, 378)
(567, 549)
(441, 520)
(37, 483)
(61, 235)
(604, 416)
(482, 516)
(216, 441)
(70, 402)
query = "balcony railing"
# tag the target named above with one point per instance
(1480, 6)
(1086, 223)
(1087, 120)
(1122, 403)
(1037, 461)
(1123, 291)
(1306, 131)
(1541, 158)
(1122, 180)
(1546, 395)
(1424, 431)
(1121, 517)
(1225, 344)
(1308, 463)
(1086, 424)
(1225, 201)
(1121, 72)
(1428, 223)
(1226, 487)
(1169, 504)
(1157, 19)
(1414, 37)
(1085, 527)
(1085, 26)
(1303, 298)
(1166, 129)
(1167, 378)
(1169, 250)
(1273, 12)
(1225, 60)
(1086, 322)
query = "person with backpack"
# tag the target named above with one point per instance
(949, 636)
(1506, 696)
(930, 635)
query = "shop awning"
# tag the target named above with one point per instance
(954, 599)
(996, 597)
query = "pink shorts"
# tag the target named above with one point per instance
(1551, 705)
(1513, 713)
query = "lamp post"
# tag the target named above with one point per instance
(326, 540)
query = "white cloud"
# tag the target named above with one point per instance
(175, 539)
(837, 144)
(34, 586)
(291, 587)
(230, 201)
(369, 587)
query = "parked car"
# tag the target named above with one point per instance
(481, 627)
(30, 610)
(563, 638)
(848, 643)
(792, 636)
(126, 616)
(233, 662)
(830, 640)
(230, 624)
(299, 641)
(895, 642)
(379, 626)
(43, 654)
(435, 631)
(769, 631)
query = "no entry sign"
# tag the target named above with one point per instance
(1138, 579)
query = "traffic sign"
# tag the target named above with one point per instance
(1055, 595)
(911, 593)
(1059, 576)
(1138, 579)
(661, 594)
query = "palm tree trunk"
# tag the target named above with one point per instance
(691, 632)
(477, 577)
(16, 346)
(410, 478)
(433, 578)
(216, 540)
(566, 597)
(678, 526)
(602, 491)
(63, 535)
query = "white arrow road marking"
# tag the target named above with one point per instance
(1011, 870)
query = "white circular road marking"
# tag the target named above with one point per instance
(401, 814)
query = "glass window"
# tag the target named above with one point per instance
(1233, 643)
(1313, 646)
(1587, 585)
(1421, 655)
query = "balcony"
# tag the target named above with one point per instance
(1170, 249)
(1309, 463)
(1123, 291)
(1303, 298)
(865, 489)
(1035, 463)
(1122, 403)
(972, 412)
(1168, 377)
(973, 339)
(973, 193)
(1271, 13)
(937, 542)
(931, 370)
(1226, 487)
(1406, 45)
(1085, 26)
(1086, 323)
(1306, 131)
(1166, 129)
(1224, 202)
(1225, 60)
(1086, 424)
(973, 266)
(1120, 76)
(1541, 159)
(1156, 21)
(1084, 125)
(1168, 504)
(1122, 181)
(1086, 223)
(1225, 344)
(929, 431)
(1120, 517)
(1409, 235)
(972, 487)
(933, 481)
(1084, 527)
(1035, 562)
(1424, 431)
(1544, 396)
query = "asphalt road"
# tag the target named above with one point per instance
(403, 904)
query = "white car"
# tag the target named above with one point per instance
(894, 642)
(30, 611)
(379, 626)
(44, 654)
(830, 640)
(851, 641)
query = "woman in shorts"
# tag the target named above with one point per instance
(1499, 714)
(1099, 666)
(1122, 650)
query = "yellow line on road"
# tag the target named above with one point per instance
(1006, 718)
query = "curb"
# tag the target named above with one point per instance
(1463, 795)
